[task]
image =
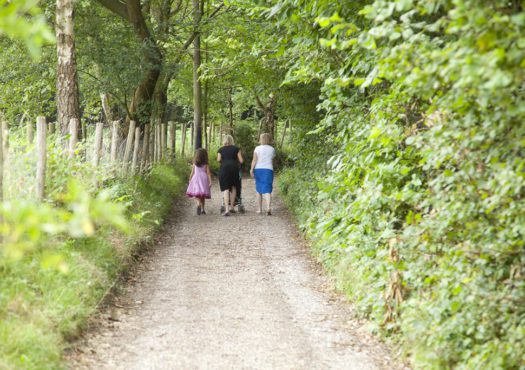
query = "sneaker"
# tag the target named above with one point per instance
(198, 210)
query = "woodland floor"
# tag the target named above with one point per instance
(228, 292)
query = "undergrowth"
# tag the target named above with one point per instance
(46, 299)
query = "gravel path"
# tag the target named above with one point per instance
(229, 293)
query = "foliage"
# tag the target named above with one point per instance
(245, 139)
(420, 213)
(30, 84)
(47, 295)
(23, 20)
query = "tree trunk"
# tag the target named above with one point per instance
(67, 79)
(197, 93)
(107, 109)
(140, 109)
(205, 117)
(230, 106)
(145, 148)
(160, 96)
(268, 122)
(141, 104)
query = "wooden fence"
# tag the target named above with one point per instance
(141, 148)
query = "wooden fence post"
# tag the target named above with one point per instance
(183, 139)
(98, 143)
(41, 160)
(145, 148)
(84, 129)
(171, 139)
(114, 141)
(154, 141)
(129, 144)
(163, 141)
(135, 151)
(157, 142)
(73, 136)
(151, 140)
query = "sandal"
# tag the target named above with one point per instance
(269, 213)
(226, 214)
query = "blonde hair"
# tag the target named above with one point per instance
(228, 140)
(265, 139)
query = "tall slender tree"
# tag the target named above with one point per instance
(67, 79)
(197, 90)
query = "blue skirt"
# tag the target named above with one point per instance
(263, 180)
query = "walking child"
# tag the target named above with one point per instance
(200, 180)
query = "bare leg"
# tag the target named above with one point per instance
(268, 203)
(199, 207)
(232, 198)
(259, 203)
(226, 197)
(203, 201)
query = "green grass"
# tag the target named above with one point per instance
(42, 308)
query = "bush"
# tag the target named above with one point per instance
(48, 293)
(420, 213)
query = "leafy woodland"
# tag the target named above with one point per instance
(399, 127)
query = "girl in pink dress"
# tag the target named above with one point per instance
(200, 180)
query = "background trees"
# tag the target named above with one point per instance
(407, 125)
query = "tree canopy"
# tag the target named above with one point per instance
(405, 137)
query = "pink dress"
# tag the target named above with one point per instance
(199, 186)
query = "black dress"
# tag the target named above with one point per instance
(229, 171)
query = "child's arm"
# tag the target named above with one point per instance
(192, 171)
(208, 172)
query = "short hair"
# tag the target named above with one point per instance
(228, 140)
(265, 139)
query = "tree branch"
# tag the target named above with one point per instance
(259, 102)
(117, 7)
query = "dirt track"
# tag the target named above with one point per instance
(227, 293)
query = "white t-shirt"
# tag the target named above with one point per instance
(265, 155)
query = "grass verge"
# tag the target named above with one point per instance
(42, 308)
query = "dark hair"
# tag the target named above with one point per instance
(201, 157)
